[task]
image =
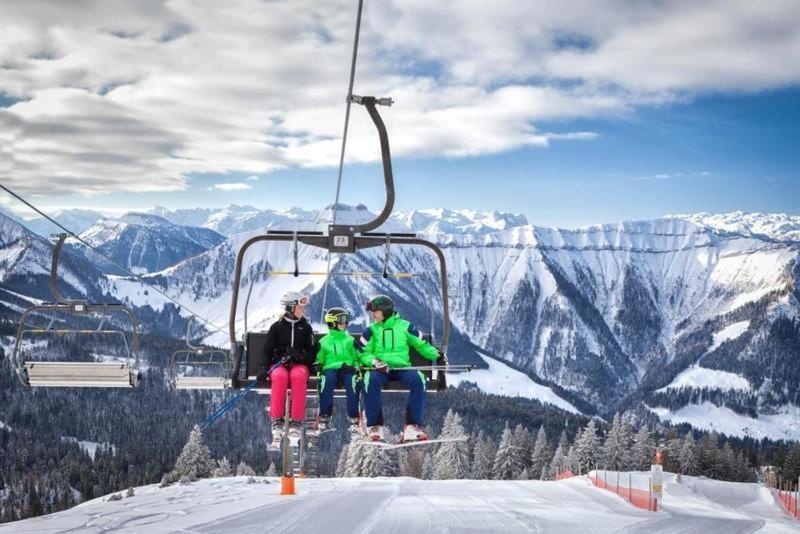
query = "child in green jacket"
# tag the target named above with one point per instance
(337, 358)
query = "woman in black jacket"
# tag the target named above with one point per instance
(289, 353)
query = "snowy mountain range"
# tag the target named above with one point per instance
(146, 243)
(675, 317)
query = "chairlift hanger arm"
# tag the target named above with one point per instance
(54, 274)
(370, 102)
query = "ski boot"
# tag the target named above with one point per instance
(353, 425)
(375, 433)
(413, 433)
(295, 432)
(277, 433)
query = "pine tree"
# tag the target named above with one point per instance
(272, 471)
(355, 460)
(508, 462)
(244, 470)
(791, 464)
(483, 458)
(615, 449)
(427, 467)
(686, 456)
(341, 465)
(451, 461)
(522, 440)
(195, 460)
(583, 454)
(223, 469)
(642, 451)
(559, 463)
(540, 455)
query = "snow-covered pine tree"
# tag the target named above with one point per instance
(643, 451)
(244, 470)
(427, 467)
(686, 457)
(483, 458)
(522, 439)
(451, 461)
(584, 453)
(614, 449)
(559, 463)
(195, 460)
(355, 460)
(341, 465)
(223, 469)
(272, 471)
(540, 455)
(508, 463)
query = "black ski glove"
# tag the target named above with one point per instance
(262, 375)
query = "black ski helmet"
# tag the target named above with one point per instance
(381, 303)
(336, 315)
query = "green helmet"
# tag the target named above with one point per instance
(381, 303)
(336, 316)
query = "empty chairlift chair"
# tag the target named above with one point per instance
(199, 367)
(122, 373)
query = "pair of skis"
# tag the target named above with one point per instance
(388, 445)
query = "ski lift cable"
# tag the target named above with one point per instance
(125, 269)
(344, 144)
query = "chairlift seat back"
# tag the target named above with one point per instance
(253, 360)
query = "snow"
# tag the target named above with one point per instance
(89, 446)
(3, 425)
(726, 334)
(700, 377)
(783, 425)
(501, 379)
(402, 505)
(697, 504)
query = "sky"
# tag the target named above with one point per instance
(572, 113)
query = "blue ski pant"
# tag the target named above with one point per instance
(328, 383)
(413, 380)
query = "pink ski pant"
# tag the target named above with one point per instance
(281, 378)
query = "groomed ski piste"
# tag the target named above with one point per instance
(402, 505)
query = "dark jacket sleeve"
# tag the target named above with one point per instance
(269, 347)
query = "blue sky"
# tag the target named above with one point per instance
(572, 116)
(718, 153)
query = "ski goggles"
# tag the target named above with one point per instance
(302, 301)
(340, 318)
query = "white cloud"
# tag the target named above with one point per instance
(129, 96)
(252, 178)
(230, 187)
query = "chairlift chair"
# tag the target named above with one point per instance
(342, 239)
(76, 373)
(213, 363)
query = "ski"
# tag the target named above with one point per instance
(386, 445)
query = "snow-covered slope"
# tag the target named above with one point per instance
(777, 226)
(403, 505)
(145, 243)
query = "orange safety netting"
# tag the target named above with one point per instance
(640, 498)
(789, 501)
(565, 474)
